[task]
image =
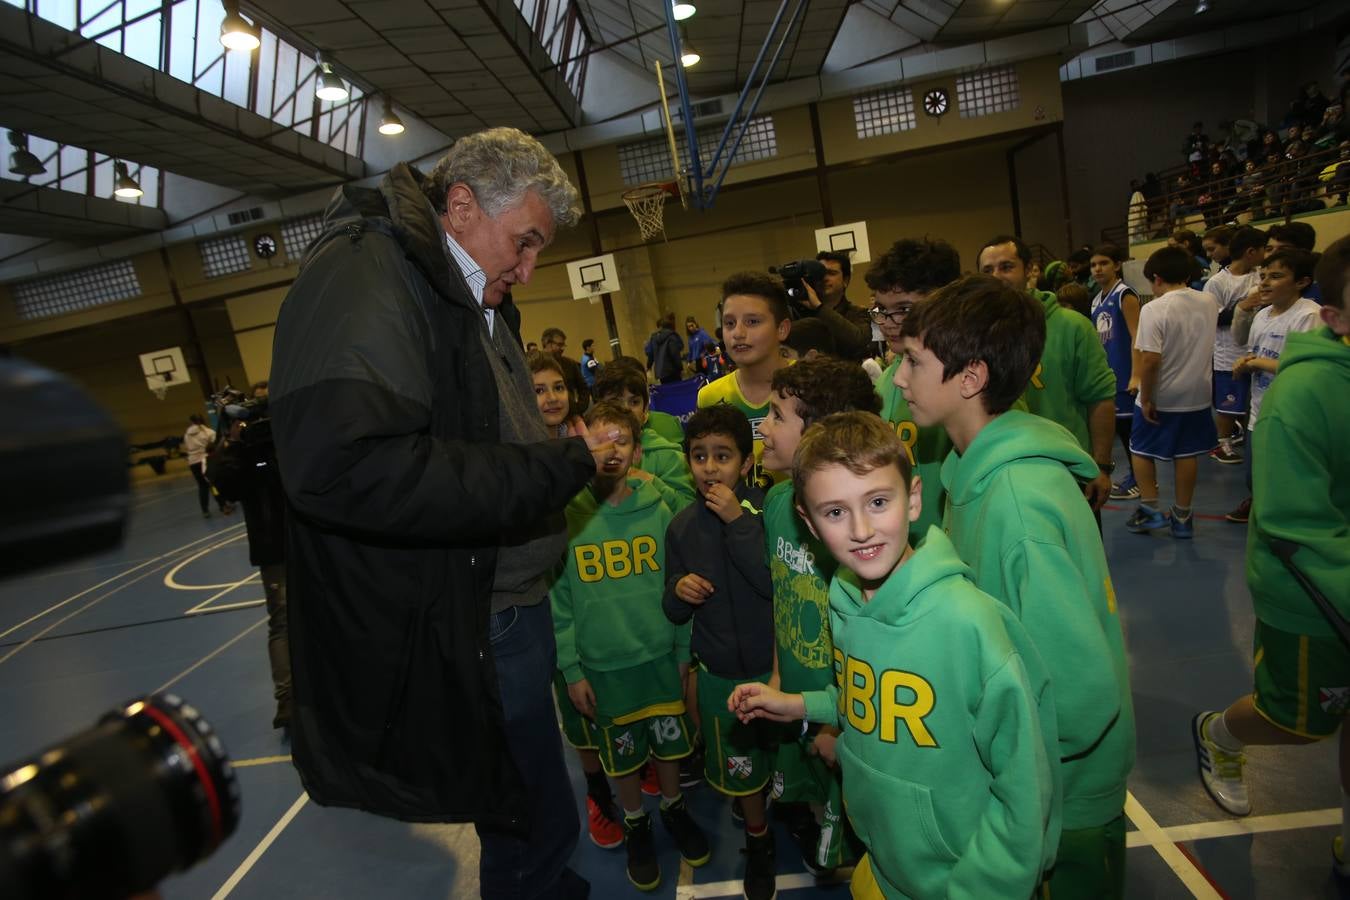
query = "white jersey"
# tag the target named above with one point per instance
(1269, 332)
(1179, 325)
(1229, 289)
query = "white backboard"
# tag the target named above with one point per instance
(850, 238)
(593, 276)
(164, 368)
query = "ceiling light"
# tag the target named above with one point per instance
(123, 184)
(22, 162)
(390, 124)
(682, 10)
(235, 32)
(1201, 6)
(688, 55)
(331, 87)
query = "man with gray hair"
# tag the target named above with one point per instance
(427, 501)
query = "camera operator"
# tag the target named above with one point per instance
(244, 469)
(825, 300)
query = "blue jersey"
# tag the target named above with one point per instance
(1117, 341)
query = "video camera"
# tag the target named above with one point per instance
(796, 275)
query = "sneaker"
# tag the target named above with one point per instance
(650, 785)
(686, 833)
(1227, 455)
(1242, 513)
(1220, 770)
(643, 870)
(1239, 434)
(1145, 520)
(1182, 529)
(605, 832)
(691, 769)
(1126, 490)
(760, 881)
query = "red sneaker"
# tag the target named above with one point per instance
(605, 832)
(650, 786)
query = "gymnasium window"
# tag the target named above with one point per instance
(298, 234)
(225, 256)
(73, 291)
(884, 112)
(987, 91)
(649, 160)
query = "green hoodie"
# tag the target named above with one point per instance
(607, 611)
(801, 569)
(666, 461)
(1301, 485)
(1073, 375)
(666, 425)
(926, 446)
(948, 747)
(1017, 515)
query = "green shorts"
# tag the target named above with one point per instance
(1090, 863)
(738, 758)
(800, 776)
(624, 748)
(579, 731)
(1302, 682)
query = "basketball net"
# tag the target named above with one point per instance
(648, 206)
(160, 392)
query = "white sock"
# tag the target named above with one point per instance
(1216, 729)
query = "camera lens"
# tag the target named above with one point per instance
(111, 811)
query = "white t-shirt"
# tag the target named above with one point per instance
(1180, 325)
(1229, 289)
(1267, 340)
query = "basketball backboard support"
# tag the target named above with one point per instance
(850, 238)
(164, 369)
(593, 276)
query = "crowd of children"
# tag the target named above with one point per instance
(886, 611)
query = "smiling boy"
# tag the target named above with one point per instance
(716, 575)
(754, 325)
(948, 729)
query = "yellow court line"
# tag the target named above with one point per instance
(260, 761)
(171, 581)
(1200, 831)
(1181, 866)
(225, 590)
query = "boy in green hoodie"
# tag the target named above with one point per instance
(1301, 482)
(661, 459)
(805, 771)
(1072, 383)
(1016, 515)
(905, 274)
(948, 746)
(624, 662)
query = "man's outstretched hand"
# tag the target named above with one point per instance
(599, 443)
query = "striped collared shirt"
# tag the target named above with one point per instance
(474, 276)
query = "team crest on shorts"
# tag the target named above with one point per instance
(777, 785)
(1334, 701)
(623, 744)
(740, 766)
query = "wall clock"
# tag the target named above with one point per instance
(265, 246)
(935, 102)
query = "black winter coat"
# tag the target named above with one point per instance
(385, 417)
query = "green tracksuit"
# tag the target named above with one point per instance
(1073, 375)
(1016, 514)
(1301, 485)
(926, 447)
(948, 747)
(665, 425)
(667, 462)
(607, 615)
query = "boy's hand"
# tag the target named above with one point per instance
(722, 501)
(1133, 387)
(582, 697)
(759, 701)
(694, 589)
(1150, 411)
(823, 746)
(1241, 365)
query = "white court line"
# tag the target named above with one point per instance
(87, 590)
(171, 582)
(221, 593)
(242, 604)
(1200, 831)
(233, 881)
(1181, 865)
(208, 657)
(733, 888)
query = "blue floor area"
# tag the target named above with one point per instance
(178, 607)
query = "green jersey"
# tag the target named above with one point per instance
(1073, 374)
(801, 569)
(925, 446)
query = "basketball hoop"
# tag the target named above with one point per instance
(593, 291)
(160, 391)
(647, 203)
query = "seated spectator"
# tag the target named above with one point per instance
(1196, 142)
(1183, 199)
(1334, 128)
(1336, 175)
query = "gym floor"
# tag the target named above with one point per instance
(178, 608)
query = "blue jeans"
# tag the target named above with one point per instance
(511, 867)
